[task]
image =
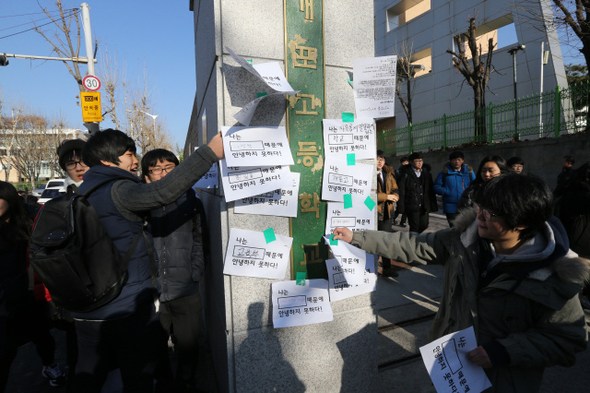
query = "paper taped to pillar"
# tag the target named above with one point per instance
(342, 179)
(282, 202)
(256, 146)
(241, 182)
(297, 305)
(209, 179)
(250, 254)
(448, 366)
(358, 137)
(338, 286)
(352, 260)
(357, 218)
(374, 86)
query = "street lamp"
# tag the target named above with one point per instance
(153, 118)
(513, 53)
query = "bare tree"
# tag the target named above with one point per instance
(571, 18)
(477, 74)
(405, 73)
(8, 137)
(66, 40)
(114, 83)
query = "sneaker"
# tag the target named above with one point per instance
(54, 374)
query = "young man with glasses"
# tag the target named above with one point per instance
(178, 230)
(70, 160)
(509, 273)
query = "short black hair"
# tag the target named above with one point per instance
(414, 156)
(107, 145)
(152, 157)
(499, 160)
(456, 154)
(515, 161)
(380, 154)
(519, 200)
(569, 159)
(403, 159)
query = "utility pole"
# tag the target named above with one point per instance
(513, 52)
(87, 37)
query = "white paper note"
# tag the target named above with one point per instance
(241, 182)
(448, 366)
(256, 146)
(245, 115)
(248, 254)
(281, 202)
(209, 179)
(374, 86)
(358, 218)
(340, 179)
(358, 138)
(296, 305)
(352, 260)
(340, 289)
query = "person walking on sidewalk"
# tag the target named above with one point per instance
(452, 181)
(416, 193)
(509, 273)
(387, 196)
(178, 230)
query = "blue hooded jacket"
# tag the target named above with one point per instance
(451, 183)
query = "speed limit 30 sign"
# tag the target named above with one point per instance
(91, 83)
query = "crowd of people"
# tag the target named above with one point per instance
(513, 270)
(515, 257)
(155, 309)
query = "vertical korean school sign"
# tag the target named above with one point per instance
(304, 47)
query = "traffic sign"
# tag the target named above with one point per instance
(91, 83)
(91, 109)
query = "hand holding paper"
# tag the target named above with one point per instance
(343, 234)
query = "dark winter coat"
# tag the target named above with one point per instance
(537, 324)
(13, 275)
(574, 213)
(177, 236)
(416, 193)
(122, 206)
(451, 184)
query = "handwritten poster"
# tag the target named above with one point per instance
(340, 178)
(256, 146)
(248, 254)
(352, 260)
(282, 202)
(241, 182)
(209, 179)
(342, 138)
(296, 305)
(357, 218)
(338, 286)
(448, 366)
(374, 86)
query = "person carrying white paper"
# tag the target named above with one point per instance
(509, 273)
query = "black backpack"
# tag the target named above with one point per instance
(74, 256)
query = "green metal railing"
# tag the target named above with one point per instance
(550, 114)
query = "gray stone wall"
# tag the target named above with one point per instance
(542, 157)
(249, 354)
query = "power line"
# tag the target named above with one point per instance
(71, 12)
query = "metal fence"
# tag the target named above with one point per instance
(550, 114)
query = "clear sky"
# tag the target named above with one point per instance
(152, 34)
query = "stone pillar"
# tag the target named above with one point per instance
(249, 354)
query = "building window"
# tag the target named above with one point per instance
(405, 11)
(422, 62)
(501, 30)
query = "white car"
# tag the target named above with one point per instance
(39, 190)
(59, 184)
(49, 194)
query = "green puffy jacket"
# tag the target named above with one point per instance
(538, 322)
